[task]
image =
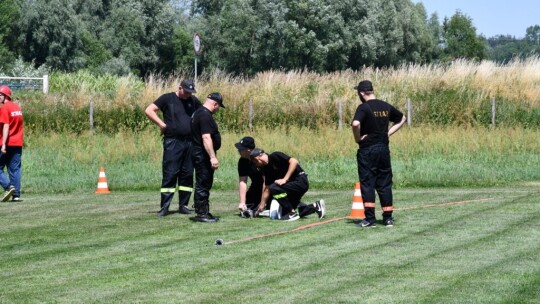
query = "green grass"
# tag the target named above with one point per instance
(422, 157)
(112, 248)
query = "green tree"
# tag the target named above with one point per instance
(460, 39)
(124, 32)
(207, 7)
(49, 30)
(503, 48)
(10, 13)
(532, 35)
(227, 37)
(95, 52)
(139, 32)
(322, 35)
(425, 34)
(182, 52)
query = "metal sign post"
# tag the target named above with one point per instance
(197, 46)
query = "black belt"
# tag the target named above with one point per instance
(183, 138)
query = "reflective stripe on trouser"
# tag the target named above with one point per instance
(369, 209)
(177, 169)
(375, 173)
(184, 194)
(289, 194)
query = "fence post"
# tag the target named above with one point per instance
(251, 114)
(409, 112)
(340, 114)
(91, 115)
(45, 84)
(492, 112)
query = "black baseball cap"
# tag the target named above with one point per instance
(256, 152)
(217, 97)
(245, 143)
(364, 86)
(188, 85)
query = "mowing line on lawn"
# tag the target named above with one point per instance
(346, 217)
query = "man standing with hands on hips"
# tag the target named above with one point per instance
(370, 129)
(177, 108)
(206, 142)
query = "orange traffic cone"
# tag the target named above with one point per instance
(357, 209)
(102, 183)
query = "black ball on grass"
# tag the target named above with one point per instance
(219, 242)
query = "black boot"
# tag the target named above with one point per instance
(166, 199)
(183, 202)
(203, 214)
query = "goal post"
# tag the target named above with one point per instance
(26, 83)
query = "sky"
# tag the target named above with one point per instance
(490, 17)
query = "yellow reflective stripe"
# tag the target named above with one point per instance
(184, 188)
(369, 205)
(168, 190)
(282, 195)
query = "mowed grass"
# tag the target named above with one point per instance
(448, 246)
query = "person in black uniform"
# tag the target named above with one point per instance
(370, 129)
(177, 168)
(286, 182)
(249, 197)
(206, 142)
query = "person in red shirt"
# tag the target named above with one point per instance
(12, 139)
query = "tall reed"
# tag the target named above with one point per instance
(459, 93)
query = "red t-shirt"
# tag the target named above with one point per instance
(10, 113)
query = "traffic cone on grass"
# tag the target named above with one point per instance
(102, 187)
(357, 209)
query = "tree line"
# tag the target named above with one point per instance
(245, 37)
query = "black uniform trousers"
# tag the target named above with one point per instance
(177, 168)
(253, 197)
(289, 195)
(204, 179)
(375, 173)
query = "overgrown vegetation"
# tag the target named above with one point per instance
(456, 94)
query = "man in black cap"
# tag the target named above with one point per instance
(177, 168)
(249, 197)
(370, 129)
(286, 182)
(206, 143)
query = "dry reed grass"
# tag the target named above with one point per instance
(517, 80)
(455, 93)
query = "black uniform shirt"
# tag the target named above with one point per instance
(202, 122)
(374, 117)
(278, 165)
(247, 168)
(177, 113)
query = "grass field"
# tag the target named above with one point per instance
(427, 156)
(448, 246)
